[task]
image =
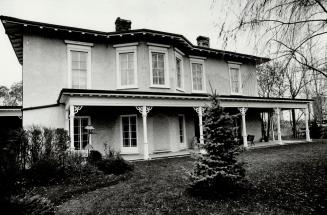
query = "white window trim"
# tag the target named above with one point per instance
(71, 47)
(126, 50)
(201, 61)
(180, 57)
(235, 66)
(128, 150)
(184, 129)
(89, 123)
(164, 51)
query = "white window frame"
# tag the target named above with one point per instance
(180, 57)
(184, 130)
(166, 72)
(89, 123)
(122, 50)
(81, 48)
(199, 61)
(128, 150)
(235, 66)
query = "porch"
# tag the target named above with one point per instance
(146, 125)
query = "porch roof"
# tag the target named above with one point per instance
(10, 111)
(133, 98)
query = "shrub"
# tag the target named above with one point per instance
(218, 168)
(30, 204)
(94, 157)
(44, 171)
(114, 165)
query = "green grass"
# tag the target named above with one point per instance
(281, 180)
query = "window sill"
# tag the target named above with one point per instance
(160, 86)
(236, 94)
(196, 91)
(180, 89)
(126, 87)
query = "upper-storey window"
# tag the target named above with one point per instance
(79, 63)
(198, 82)
(126, 60)
(235, 78)
(159, 67)
(179, 72)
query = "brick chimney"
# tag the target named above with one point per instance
(203, 41)
(122, 24)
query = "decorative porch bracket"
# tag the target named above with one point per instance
(307, 131)
(144, 110)
(279, 132)
(244, 134)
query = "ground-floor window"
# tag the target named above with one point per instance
(129, 133)
(181, 123)
(81, 136)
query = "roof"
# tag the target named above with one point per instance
(10, 107)
(9, 111)
(15, 28)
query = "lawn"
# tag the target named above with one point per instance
(288, 179)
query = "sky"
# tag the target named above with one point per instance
(190, 18)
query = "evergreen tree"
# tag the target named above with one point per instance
(218, 169)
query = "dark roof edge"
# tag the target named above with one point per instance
(10, 107)
(41, 106)
(264, 98)
(62, 27)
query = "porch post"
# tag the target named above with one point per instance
(144, 110)
(307, 131)
(199, 111)
(244, 134)
(67, 119)
(71, 126)
(272, 128)
(279, 133)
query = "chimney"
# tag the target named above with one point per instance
(122, 24)
(203, 41)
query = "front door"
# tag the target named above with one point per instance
(161, 134)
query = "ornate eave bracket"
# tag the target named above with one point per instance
(145, 111)
(77, 109)
(199, 110)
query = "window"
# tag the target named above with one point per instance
(79, 63)
(158, 67)
(197, 67)
(129, 134)
(181, 123)
(81, 136)
(179, 72)
(235, 79)
(126, 67)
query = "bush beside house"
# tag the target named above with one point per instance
(39, 157)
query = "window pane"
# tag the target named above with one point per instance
(126, 61)
(235, 79)
(79, 69)
(197, 76)
(181, 128)
(129, 131)
(158, 68)
(178, 73)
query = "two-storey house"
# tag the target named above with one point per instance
(142, 90)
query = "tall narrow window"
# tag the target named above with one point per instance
(179, 72)
(235, 79)
(197, 76)
(81, 136)
(181, 128)
(79, 64)
(79, 69)
(158, 67)
(126, 67)
(129, 133)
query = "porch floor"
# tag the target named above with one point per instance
(187, 152)
(274, 143)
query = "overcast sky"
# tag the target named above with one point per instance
(188, 17)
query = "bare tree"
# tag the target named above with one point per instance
(286, 26)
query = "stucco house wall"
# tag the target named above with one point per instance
(45, 71)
